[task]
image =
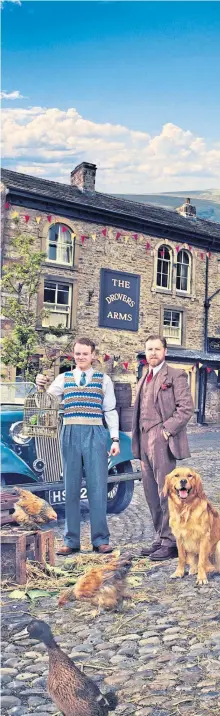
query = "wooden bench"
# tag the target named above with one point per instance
(17, 546)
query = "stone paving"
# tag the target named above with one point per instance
(162, 656)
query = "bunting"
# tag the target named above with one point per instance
(109, 232)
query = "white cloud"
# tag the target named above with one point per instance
(11, 95)
(50, 142)
(16, 2)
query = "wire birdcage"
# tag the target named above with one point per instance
(41, 415)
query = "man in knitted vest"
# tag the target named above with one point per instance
(87, 396)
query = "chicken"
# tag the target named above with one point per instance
(113, 589)
(31, 512)
(104, 586)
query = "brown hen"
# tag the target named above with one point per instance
(31, 511)
(103, 586)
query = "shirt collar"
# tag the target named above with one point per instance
(79, 372)
(157, 368)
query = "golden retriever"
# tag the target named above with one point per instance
(194, 522)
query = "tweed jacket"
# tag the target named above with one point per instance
(174, 403)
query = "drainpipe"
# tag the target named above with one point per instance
(203, 372)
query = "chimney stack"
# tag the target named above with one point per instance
(187, 209)
(83, 177)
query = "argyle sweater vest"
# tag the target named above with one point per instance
(83, 404)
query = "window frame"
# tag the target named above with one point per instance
(177, 309)
(60, 245)
(186, 291)
(48, 306)
(169, 287)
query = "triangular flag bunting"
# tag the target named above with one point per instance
(126, 239)
(216, 371)
(209, 370)
(177, 249)
(64, 229)
(73, 236)
(38, 219)
(94, 237)
(125, 365)
(14, 215)
(7, 205)
(27, 217)
(208, 254)
(104, 231)
(135, 237)
(49, 218)
(201, 255)
(147, 246)
(83, 238)
(200, 365)
(118, 235)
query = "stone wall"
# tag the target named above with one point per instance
(129, 256)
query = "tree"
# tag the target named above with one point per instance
(20, 285)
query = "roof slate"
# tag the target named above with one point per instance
(67, 194)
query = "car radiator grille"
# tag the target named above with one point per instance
(48, 450)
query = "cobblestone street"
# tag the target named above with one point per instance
(161, 655)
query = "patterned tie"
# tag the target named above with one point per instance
(150, 376)
(83, 379)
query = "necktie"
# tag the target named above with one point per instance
(83, 379)
(150, 376)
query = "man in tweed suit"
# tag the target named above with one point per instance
(162, 409)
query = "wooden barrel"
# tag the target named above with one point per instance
(126, 415)
(123, 394)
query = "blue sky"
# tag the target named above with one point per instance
(136, 65)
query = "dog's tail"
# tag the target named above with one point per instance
(217, 556)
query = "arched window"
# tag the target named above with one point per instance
(183, 271)
(60, 245)
(164, 267)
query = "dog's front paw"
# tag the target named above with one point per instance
(201, 578)
(179, 572)
(193, 571)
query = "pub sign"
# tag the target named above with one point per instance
(214, 345)
(119, 300)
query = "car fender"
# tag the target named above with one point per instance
(10, 462)
(125, 454)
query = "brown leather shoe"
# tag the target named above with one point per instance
(164, 553)
(103, 549)
(147, 551)
(65, 551)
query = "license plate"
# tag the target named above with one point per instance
(58, 497)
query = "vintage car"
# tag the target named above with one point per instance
(35, 462)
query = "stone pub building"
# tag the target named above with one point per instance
(117, 270)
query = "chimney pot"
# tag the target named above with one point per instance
(83, 177)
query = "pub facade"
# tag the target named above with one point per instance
(117, 270)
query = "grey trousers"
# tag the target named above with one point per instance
(157, 462)
(87, 443)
